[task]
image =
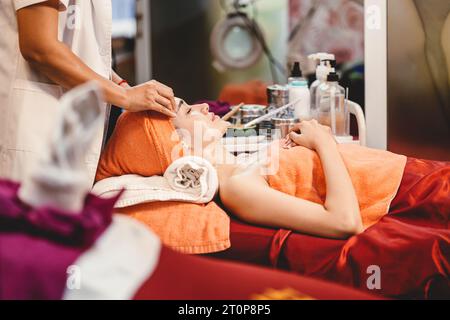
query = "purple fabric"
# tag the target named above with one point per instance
(219, 108)
(37, 245)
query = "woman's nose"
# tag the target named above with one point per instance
(205, 108)
(202, 108)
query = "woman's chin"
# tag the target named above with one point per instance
(221, 125)
(225, 125)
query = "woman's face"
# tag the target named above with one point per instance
(198, 121)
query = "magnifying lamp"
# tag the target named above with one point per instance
(237, 42)
(233, 43)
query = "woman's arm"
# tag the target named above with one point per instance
(39, 45)
(341, 199)
(252, 199)
(340, 194)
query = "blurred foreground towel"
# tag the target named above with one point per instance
(146, 144)
(60, 178)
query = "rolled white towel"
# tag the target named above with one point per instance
(188, 179)
(195, 176)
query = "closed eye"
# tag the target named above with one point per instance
(183, 103)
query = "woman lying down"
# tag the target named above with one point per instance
(306, 182)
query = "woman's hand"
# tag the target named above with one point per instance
(309, 134)
(151, 95)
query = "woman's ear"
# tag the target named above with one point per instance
(185, 141)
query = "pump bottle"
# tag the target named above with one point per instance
(331, 106)
(298, 89)
(327, 64)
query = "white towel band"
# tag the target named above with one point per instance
(140, 189)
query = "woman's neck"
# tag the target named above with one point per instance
(216, 153)
(225, 162)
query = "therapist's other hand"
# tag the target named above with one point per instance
(309, 134)
(151, 95)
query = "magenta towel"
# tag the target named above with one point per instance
(219, 108)
(37, 245)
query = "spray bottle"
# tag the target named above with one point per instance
(298, 89)
(327, 64)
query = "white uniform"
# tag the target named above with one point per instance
(28, 100)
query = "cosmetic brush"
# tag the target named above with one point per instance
(271, 114)
(232, 112)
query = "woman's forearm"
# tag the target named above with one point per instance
(340, 194)
(63, 67)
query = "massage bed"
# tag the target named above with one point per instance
(410, 245)
(43, 250)
(408, 249)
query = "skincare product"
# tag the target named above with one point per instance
(332, 109)
(277, 96)
(271, 114)
(283, 126)
(298, 90)
(327, 64)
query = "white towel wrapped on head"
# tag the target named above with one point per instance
(188, 179)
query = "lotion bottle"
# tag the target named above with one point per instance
(327, 64)
(298, 89)
(331, 107)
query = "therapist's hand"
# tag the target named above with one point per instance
(151, 95)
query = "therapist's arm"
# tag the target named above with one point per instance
(39, 45)
(118, 80)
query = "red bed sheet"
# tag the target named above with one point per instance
(410, 247)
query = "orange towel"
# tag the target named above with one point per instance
(185, 227)
(252, 92)
(142, 143)
(375, 174)
(146, 143)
